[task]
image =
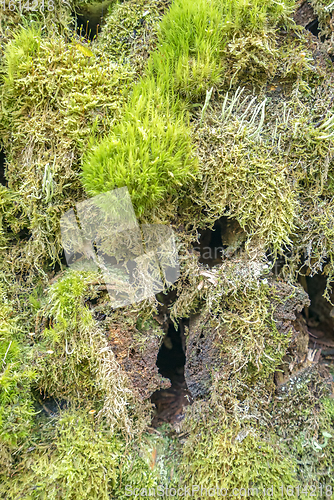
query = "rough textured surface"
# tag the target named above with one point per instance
(204, 343)
(220, 116)
(138, 361)
(202, 356)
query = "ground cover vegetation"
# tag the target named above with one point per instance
(207, 111)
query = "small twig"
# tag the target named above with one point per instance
(45, 408)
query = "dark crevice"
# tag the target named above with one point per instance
(319, 317)
(57, 267)
(3, 180)
(90, 17)
(47, 405)
(313, 27)
(170, 402)
(224, 240)
(24, 234)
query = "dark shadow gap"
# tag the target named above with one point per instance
(224, 240)
(47, 405)
(313, 27)
(90, 17)
(319, 317)
(170, 402)
(3, 180)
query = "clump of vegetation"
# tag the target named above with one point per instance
(236, 303)
(270, 167)
(74, 409)
(16, 378)
(130, 31)
(54, 94)
(188, 57)
(74, 361)
(149, 151)
(71, 465)
(240, 36)
(187, 62)
(76, 456)
(53, 15)
(262, 441)
(324, 12)
(245, 178)
(302, 420)
(238, 461)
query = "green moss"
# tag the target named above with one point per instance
(17, 375)
(241, 38)
(149, 151)
(129, 33)
(187, 59)
(233, 460)
(244, 177)
(74, 361)
(302, 419)
(187, 62)
(53, 96)
(264, 160)
(323, 10)
(71, 465)
(76, 456)
(237, 305)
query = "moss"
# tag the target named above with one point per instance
(261, 156)
(149, 151)
(248, 184)
(74, 361)
(129, 33)
(54, 95)
(187, 59)
(238, 312)
(186, 62)
(17, 376)
(71, 464)
(323, 10)
(75, 455)
(54, 16)
(237, 460)
(241, 38)
(302, 420)
(268, 163)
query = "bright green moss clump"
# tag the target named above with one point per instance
(149, 151)
(201, 41)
